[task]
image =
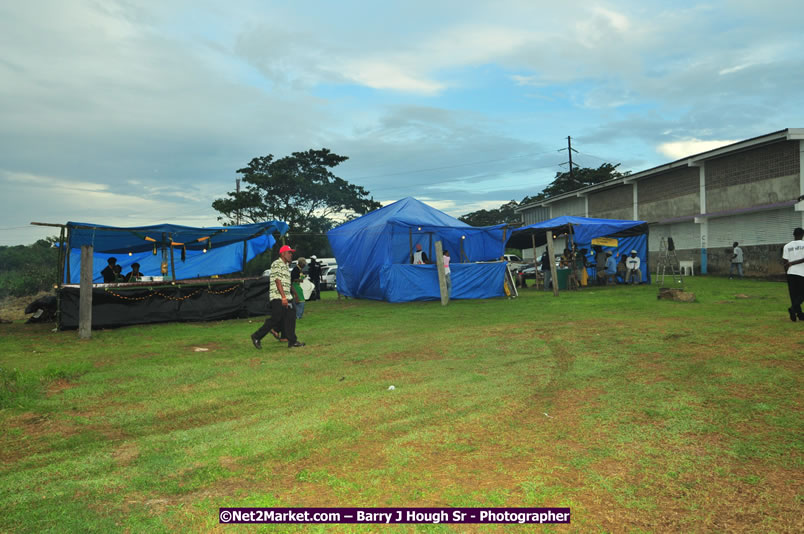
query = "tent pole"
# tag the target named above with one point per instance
(410, 242)
(60, 265)
(245, 253)
(505, 230)
(172, 265)
(533, 242)
(430, 247)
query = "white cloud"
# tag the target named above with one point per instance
(690, 147)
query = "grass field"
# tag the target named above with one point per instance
(640, 415)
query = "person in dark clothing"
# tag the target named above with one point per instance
(135, 274)
(546, 272)
(315, 277)
(108, 273)
(118, 274)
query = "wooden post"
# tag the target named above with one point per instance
(60, 266)
(533, 242)
(85, 294)
(552, 258)
(410, 243)
(430, 246)
(442, 280)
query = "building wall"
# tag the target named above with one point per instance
(575, 206)
(669, 195)
(614, 203)
(765, 175)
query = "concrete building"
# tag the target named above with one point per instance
(746, 192)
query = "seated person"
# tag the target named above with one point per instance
(420, 257)
(135, 275)
(632, 263)
(622, 269)
(108, 271)
(611, 269)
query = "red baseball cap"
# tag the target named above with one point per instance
(285, 248)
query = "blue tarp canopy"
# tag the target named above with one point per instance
(374, 254)
(631, 235)
(206, 251)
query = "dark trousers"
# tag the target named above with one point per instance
(795, 285)
(282, 320)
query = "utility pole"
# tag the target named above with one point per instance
(570, 150)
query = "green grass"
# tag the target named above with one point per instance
(639, 414)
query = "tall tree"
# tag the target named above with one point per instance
(299, 189)
(580, 177)
(503, 214)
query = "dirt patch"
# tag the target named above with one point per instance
(126, 453)
(57, 386)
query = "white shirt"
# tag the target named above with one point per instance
(738, 255)
(417, 257)
(793, 251)
(446, 265)
(633, 263)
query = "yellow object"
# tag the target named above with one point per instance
(605, 241)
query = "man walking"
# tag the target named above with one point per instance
(283, 316)
(793, 256)
(315, 278)
(736, 260)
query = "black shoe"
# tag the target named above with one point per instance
(296, 344)
(256, 342)
(792, 314)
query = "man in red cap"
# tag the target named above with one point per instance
(282, 295)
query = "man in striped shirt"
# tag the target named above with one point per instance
(281, 293)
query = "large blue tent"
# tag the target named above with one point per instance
(374, 254)
(630, 235)
(191, 252)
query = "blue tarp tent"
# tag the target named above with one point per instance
(374, 254)
(630, 235)
(206, 251)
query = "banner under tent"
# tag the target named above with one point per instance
(618, 236)
(168, 250)
(374, 254)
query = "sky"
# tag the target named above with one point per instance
(135, 112)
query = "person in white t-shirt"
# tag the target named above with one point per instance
(632, 264)
(736, 260)
(793, 256)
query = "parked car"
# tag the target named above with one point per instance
(514, 262)
(328, 277)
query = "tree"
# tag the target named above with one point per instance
(503, 214)
(581, 177)
(299, 189)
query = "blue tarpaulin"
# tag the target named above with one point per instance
(631, 235)
(373, 254)
(207, 251)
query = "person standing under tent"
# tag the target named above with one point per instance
(793, 256)
(283, 316)
(622, 268)
(600, 266)
(736, 260)
(108, 273)
(611, 269)
(580, 268)
(420, 256)
(632, 264)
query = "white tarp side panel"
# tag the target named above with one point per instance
(686, 235)
(759, 228)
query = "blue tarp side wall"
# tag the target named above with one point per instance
(369, 244)
(405, 283)
(218, 260)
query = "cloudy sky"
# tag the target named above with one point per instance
(130, 112)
